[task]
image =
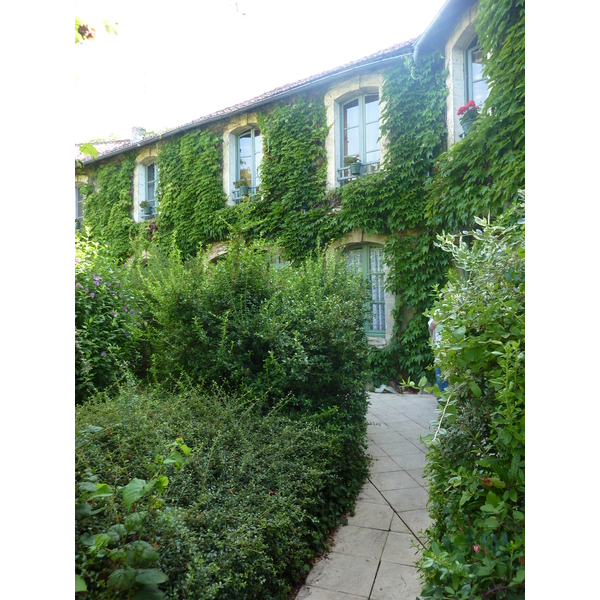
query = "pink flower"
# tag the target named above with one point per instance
(77, 261)
(104, 354)
(475, 548)
(96, 283)
(92, 295)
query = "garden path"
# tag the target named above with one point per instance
(373, 555)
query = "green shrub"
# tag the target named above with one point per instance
(250, 326)
(476, 462)
(106, 319)
(239, 517)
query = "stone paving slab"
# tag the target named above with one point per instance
(373, 556)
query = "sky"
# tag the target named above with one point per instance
(176, 61)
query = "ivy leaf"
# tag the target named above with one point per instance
(89, 150)
(122, 579)
(80, 585)
(134, 490)
(174, 458)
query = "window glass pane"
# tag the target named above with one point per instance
(480, 92)
(371, 108)
(375, 260)
(377, 317)
(354, 260)
(373, 157)
(476, 65)
(79, 203)
(351, 114)
(351, 147)
(372, 135)
(245, 143)
(150, 196)
(150, 172)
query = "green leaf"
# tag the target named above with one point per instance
(88, 149)
(122, 579)
(141, 554)
(176, 458)
(498, 483)
(80, 585)
(133, 521)
(151, 576)
(491, 522)
(475, 389)
(82, 510)
(148, 592)
(423, 382)
(103, 491)
(134, 490)
(519, 576)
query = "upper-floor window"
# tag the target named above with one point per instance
(148, 202)
(359, 136)
(368, 261)
(78, 206)
(476, 81)
(249, 157)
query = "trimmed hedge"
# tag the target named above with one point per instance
(252, 503)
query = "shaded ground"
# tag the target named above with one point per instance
(373, 556)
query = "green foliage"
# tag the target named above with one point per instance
(106, 319)
(190, 192)
(293, 176)
(476, 462)
(251, 326)
(482, 174)
(107, 206)
(240, 517)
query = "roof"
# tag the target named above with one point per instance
(106, 149)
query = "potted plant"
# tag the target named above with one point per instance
(145, 206)
(467, 114)
(243, 186)
(354, 163)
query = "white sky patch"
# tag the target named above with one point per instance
(173, 62)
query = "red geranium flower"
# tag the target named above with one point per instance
(463, 109)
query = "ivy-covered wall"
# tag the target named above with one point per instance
(419, 191)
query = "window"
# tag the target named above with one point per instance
(78, 207)
(476, 81)
(249, 157)
(359, 136)
(148, 175)
(368, 260)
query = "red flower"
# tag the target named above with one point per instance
(463, 109)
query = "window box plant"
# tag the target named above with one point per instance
(467, 115)
(243, 186)
(354, 163)
(146, 208)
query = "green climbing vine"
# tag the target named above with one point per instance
(293, 208)
(107, 205)
(392, 201)
(190, 192)
(483, 173)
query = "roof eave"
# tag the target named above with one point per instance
(278, 96)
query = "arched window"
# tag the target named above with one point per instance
(359, 136)
(249, 157)
(476, 81)
(368, 261)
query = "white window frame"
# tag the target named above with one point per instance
(343, 171)
(78, 201)
(143, 182)
(254, 167)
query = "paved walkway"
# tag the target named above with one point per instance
(373, 556)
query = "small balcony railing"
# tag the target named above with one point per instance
(345, 175)
(236, 195)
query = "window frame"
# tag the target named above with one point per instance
(472, 46)
(254, 174)
(344, 174)
(366, 275)
(142, 215)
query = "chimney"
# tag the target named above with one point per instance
(137, 134)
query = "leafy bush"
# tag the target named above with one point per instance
(476, 461)
(251, 326)
(239, 517)
(105, 319)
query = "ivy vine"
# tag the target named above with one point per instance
(107, 205)
(482, 174)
